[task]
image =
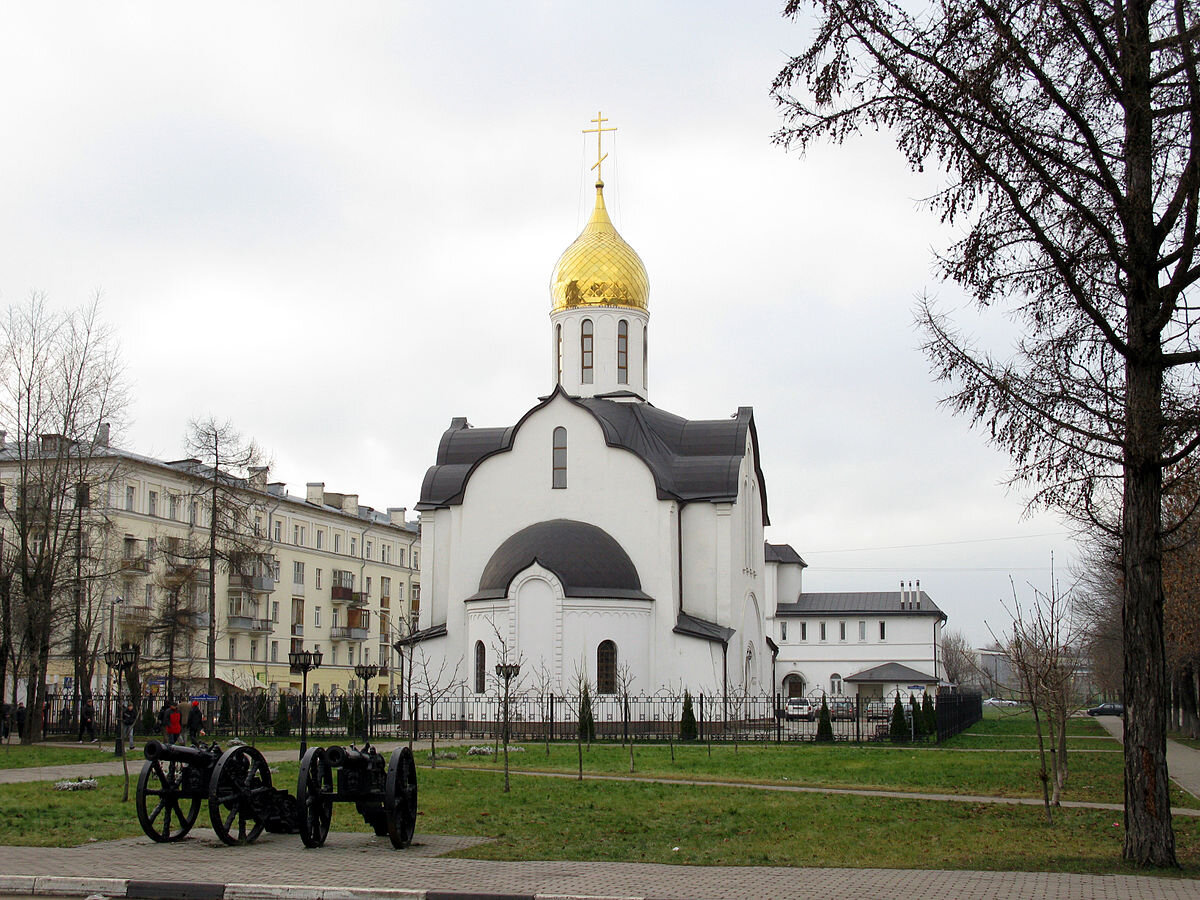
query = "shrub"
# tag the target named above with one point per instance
(898, 731)
(150, 723)
(824, 723)
(322, 717)
(355, 725)
(930, 713)
(918, 717)
(687, 721)
(283, 724)
(587, 724)
(225, 713)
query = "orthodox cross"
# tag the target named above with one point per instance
(598, 131)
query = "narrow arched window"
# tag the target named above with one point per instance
(835, 684)
(558, 477)
(585, 348)
(480, 668)
(622, 352)
(558, 350)
(606, 668)
(645, 354)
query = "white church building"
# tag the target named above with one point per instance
(602, 534)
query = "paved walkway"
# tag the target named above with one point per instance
(1183, 763)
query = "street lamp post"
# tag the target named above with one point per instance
(507, 671)
(366, 671)
(302, 662)
(122, 660)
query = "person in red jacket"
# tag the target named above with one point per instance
(174, 723)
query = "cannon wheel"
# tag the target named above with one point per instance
(400, 798)
(313, 797)
(167, 786)
(241, 776)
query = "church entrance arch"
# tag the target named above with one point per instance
(793, 686)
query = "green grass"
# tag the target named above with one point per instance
(564, 819)
(18, 756)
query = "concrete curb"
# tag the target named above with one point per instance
(73, 886)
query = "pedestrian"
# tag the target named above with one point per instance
(128, 720)
(195, 724)
(5, 719)
(164, 718)
(20, 721)
(174, 723)
(87, 721)
(45, 717)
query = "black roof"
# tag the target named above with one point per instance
(690, 460)
(850, 602)
(587, 560)
(892, 671)
(696, 627)
(783, 553)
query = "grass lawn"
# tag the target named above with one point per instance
(18, 756)
(683, 824)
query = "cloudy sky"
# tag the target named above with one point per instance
(334, 225)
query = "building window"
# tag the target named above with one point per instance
(883, 631)
(841, 631)
(274, 610)
(606, 668)
(275, 650)
(416, 594)
(192, 515)
(558, 350)
(367, 585)
(480, 668)
(278, 532)
(337, 543)
(173, 503)
(385, 587)
(367, 549)
(333, 650)
(783, 631)
(336, 617)
(253, 650)
(130, 490)
(385, 553)
(585, 346)
(297, 572)
(317, 579)
(835, 684)
(822, 631)
(558, 477)
(152, 503)
(416, 560)
(233, 648)
(316, 617)
(862, 631)
(622, 352)
(320, 539)
(354, 546)
(400, 558)
(804, 631)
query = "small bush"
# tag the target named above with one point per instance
(687, 721)
(918, 717)
(322, 717)
(824, 723)
(283, 724)
(587, 723)
(930, 713)
(898, 731)
(225, 712)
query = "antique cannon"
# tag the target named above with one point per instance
(236, 784)
(385, 794)
(173, 781)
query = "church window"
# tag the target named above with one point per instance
(585, 347)
(841, 631)
(559, 474)
(606, 668)
(804, 631)
(622, 352)
(835, 684)
(822, 631)
(480, 668)
(645, 352)
(558, 350)
(883, 631)
(783, 631)
(862, 631)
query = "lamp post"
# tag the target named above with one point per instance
(302, 662)
(122, 660)
(366, 671)
(507, 671)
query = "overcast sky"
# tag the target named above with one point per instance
(334, 224)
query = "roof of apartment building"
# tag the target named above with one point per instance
(903, 603)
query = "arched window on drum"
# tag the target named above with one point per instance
(606, 668)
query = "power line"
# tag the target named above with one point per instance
(1015, 537)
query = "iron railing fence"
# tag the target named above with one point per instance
(480, 717)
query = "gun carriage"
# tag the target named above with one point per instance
(384, 793)
(242, 802)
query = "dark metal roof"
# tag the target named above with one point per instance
(587, 560)
(690, 460)
(783, 553)
(699, 628)
(892, 671)
(425, 634)
(860, 602)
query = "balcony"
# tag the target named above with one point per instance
(260, 584)
(134, 615)
(135, 564)
(297, 589)
(248, 623)
(347, 633)
(297, 630)
(340, 594)
(359, 598)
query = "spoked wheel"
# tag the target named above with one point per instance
(400, 798)
(165, 815)
(313, 797)
(236, 795)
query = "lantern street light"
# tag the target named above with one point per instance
(122, 661)
(366, 671)
(302, 662)
(507, 671)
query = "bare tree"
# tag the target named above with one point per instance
(437, 683)
(578, 700)
(1069, 137)
(960, 662)
(624, 685)
(508, 680)
(236, 534)
(543, 683)
(60, 386)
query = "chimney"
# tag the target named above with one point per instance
(258, 477)
(102, 434)
(316, 493)
(276, 488)
(918, 593)
(396, 515)
(350, 504)
(3, 438)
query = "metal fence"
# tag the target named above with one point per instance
(555, 717)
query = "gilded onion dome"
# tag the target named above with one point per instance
(599, 268)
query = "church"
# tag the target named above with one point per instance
(601, 534)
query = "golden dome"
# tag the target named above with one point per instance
(599, 268)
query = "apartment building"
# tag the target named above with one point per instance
(323, 571)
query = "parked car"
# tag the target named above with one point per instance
(799, 708)
(879, 709)
(997, 701)
(842, 710)
(1107, 709)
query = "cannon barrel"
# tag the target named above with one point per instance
(179, 753)
(350, 757)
